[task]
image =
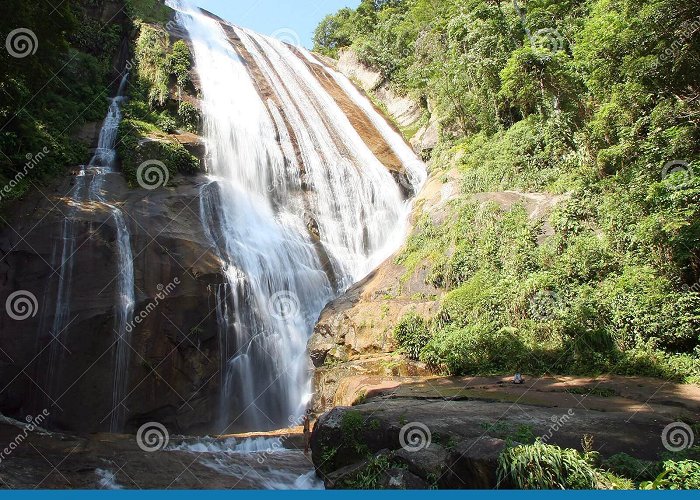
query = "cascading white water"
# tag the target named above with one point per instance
(298, 208)
(101, 164)
(89, 188)
(414, 167)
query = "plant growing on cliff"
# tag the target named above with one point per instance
(352, 426)
(152, 63)
(368, 477)
(134, 147)
(412, 335)
(180, 62)
(596, 118)
(189, 116)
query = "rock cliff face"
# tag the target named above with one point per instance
(354, 335)
(407, 112)
(174, 372)
(171, 375)
(173, 345)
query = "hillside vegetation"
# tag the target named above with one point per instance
(594, 100)
(57, 78)
(61, 71)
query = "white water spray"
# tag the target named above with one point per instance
(297, 207)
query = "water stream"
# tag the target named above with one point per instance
(297, 207)
(89, 188)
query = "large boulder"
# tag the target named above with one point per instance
(472, 464)
(428, 463)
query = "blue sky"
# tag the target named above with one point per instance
(287, 19)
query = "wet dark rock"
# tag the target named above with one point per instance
(427, 463)
(400, 479)
(172, 371)
(461, 453)
(473, 463)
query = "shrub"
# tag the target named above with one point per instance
(412, 335)
(622, 464)
(134, 147)
(543, 466)
(479, 348)
(681, 475)
(166, 123)
(179, 63)
(189, 116)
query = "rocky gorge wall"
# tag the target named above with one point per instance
(174, 373)
(353, 348)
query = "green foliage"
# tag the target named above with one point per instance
(568, 305)
(152, 62)
(156, 107)
(676, 475)
(151, 11)
(351, 426)
(523, 434)
(134, 147)
(412, 335)
(180, 63)
(622, 464)
(48, 95)
(683, 475)
(189, 116)
(368, 477)
(166, 123)
(543, 466)
(331, 33)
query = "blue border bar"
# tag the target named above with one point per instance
(384, 494)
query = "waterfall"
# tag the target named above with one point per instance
(297, 207)
(89, 188)
(101, 164)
